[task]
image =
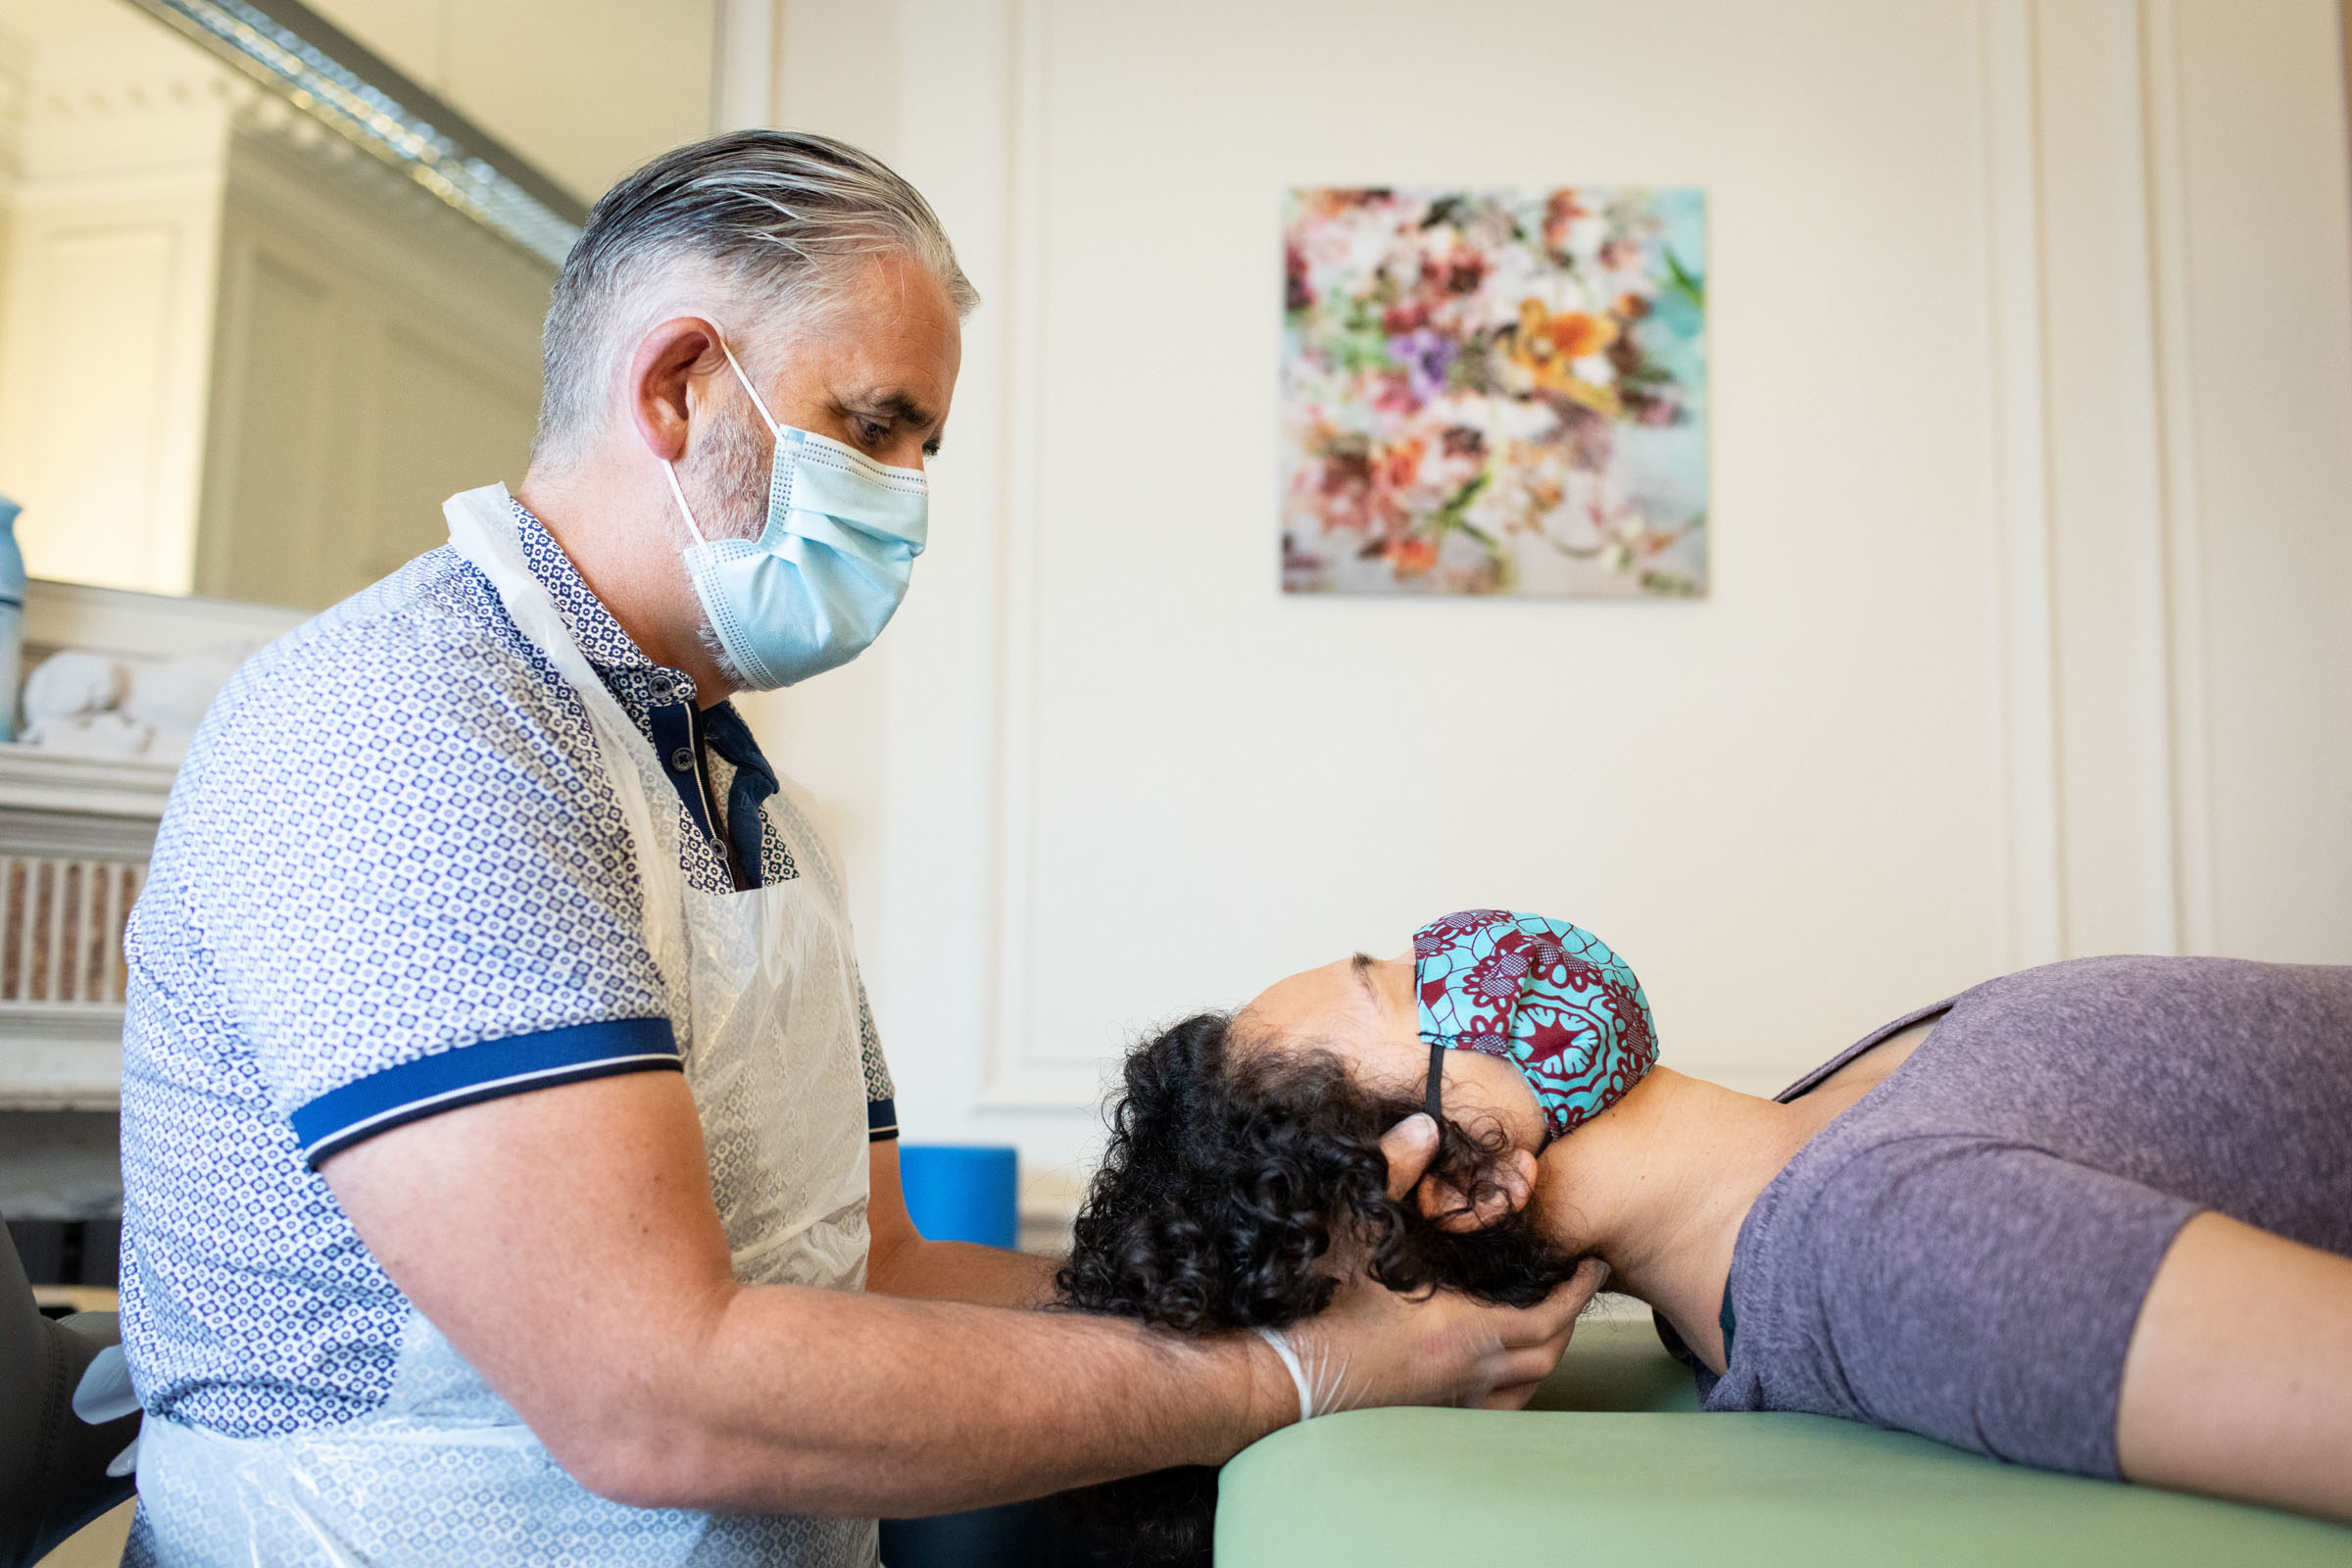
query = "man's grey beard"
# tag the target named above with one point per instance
(726, 478)
(728, 670)
(728, 481)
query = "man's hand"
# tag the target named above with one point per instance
(1374, 1346)
(1412, 1143)
(1408, 1147)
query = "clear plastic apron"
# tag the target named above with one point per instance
(763, 995)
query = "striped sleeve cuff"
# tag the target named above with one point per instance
(881, 1120)
(485, 1070)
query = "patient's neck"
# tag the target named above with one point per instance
(1658, 1186)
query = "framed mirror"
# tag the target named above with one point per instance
(273, 273)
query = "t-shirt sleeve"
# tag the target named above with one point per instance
(433, 904)
(881, 1096)
(1985, 1293)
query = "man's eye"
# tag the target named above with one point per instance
(872, 431)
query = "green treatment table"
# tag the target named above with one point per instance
(1615, 1466)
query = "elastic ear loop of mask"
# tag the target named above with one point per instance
(669, 469)
(1436, 1106)
(773, 428)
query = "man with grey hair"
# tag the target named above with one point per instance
(506, 1145)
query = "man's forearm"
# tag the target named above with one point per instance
(816, 1402)
(565, 1242)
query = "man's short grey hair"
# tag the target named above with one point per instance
(779, 220)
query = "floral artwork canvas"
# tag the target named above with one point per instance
(1494, 391)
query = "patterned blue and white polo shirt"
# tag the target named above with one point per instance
(393, 879)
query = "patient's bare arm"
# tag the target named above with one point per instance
(2239, 1378)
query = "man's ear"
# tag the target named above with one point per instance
(664, 381)
(1510, 1182)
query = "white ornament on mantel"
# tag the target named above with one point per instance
(84, 702)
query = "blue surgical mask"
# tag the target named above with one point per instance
(828, 571)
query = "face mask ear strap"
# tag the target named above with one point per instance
(669, 471)
(1435, 1104)
(773, 428)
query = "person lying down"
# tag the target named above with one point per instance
(2094, 1217)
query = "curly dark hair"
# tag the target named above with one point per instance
(1229, 1178)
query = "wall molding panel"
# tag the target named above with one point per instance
(2034, 866)
(2174, 372)
(1024, 1071)
(375, 323)
(109, 316)
(2104, 684)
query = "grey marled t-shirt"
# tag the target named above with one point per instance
(1964, 1251)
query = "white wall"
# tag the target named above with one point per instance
(2032, 623)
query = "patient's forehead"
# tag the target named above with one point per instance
(1312, 996)
(1364, 1011)
(1353, 1008)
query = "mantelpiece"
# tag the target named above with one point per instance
(75, 834)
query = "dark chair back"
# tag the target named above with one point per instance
(53, 1476)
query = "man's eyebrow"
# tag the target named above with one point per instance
(901, 406)
(898, 406)
(1362, 963)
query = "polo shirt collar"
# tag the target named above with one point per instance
(625, 666)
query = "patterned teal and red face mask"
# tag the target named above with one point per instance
(1549, 998)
